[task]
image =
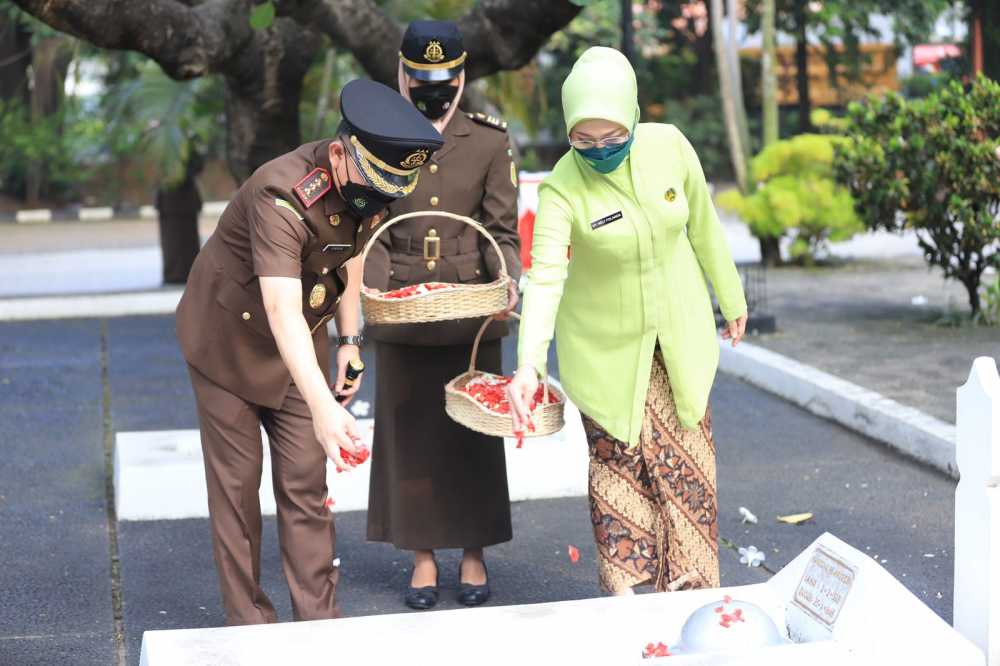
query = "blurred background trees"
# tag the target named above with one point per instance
(125, 104)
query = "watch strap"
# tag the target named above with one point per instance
(355, 340)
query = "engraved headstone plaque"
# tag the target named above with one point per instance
(824, 586)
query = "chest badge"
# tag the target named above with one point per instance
(334, 220)
(317, 296)
(670, 194)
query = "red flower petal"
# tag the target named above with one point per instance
(574, 554)
(727, 599)
(719, 609)
(328, 503)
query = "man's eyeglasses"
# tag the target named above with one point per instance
(586, 144)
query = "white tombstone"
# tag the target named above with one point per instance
(977, 509)
(837, 605)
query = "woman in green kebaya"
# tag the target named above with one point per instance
(637, 339)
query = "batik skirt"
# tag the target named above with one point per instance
(653, 506)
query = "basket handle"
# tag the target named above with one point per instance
(475, 352)
(430, 213)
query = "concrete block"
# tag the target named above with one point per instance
(34, 216)
(93, 214)
(159, 475)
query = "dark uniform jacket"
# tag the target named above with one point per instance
(268, 230)
(474, 175)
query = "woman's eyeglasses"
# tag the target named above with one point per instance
(586, 144)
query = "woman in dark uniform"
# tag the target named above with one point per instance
(434, 483)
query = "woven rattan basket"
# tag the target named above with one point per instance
(460, 301)
(463, 408)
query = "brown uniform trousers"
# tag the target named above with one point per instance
(285, 221)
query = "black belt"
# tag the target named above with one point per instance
(448, 246)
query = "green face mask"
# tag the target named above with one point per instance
(607, 158)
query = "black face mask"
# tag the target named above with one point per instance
(362, 200)
(433, 99)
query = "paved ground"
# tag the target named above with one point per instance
(857, 321)
(58, 381)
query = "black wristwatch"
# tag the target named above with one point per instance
(355, 340)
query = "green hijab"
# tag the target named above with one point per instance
(601, 85)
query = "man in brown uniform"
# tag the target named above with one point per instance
(436, 484)
(251, 325)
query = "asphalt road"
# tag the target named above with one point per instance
(66, 386)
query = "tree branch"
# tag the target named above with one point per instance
(186, 41)
(498, 34)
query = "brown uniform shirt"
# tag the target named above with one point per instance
(287, 220)
(474, 175)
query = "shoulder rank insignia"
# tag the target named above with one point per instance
(489, 121)
(312, 188)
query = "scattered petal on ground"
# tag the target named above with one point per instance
(747, 516)
(751, 557)
(361, 408)
(574, 553)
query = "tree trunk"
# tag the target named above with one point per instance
(263, 94)
(971, 285)
(802, 66)
(179, 239)
(628, 36)
(770, 250)
(768, 79)
(15, 56)
(737, 80)
(731, 106)
(50, 60)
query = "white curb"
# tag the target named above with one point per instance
(90, 214)
(903, 428)
(36, 216)
(90, 305)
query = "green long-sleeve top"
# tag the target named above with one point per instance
(643, 239)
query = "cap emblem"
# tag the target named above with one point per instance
(434, 52)
(415, 159)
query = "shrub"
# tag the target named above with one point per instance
(796, 193)
(930, 165)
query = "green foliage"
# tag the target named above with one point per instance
(989, 313)
(796, 193)
(930, 165)
(700, 119)
(166, 120)
(59, 143)
(262, 15)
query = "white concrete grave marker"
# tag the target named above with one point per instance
(876, 621)
(977, 509)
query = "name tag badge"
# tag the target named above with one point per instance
(337, 247)
(607, 219)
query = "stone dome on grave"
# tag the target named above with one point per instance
(728, 626)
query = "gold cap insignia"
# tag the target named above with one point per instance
(415, 159)
(317, 296)
(434, 52)
(670, 194)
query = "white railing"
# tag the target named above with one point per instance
(977, 509)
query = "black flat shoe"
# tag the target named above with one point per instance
(422, 598)
(473, 595)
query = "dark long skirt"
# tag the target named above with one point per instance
(434, 483)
